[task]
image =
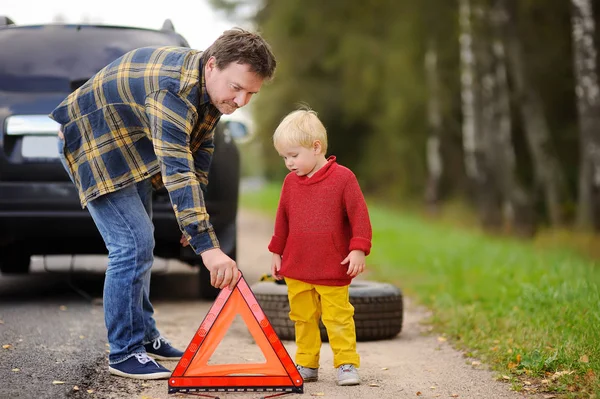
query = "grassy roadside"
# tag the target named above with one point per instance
(532, 314)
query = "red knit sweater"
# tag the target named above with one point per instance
(320, 219)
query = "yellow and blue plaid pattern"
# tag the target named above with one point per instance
(145, 115)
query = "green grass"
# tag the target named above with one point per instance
(529, 312)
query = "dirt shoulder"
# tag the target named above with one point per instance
(414, 364)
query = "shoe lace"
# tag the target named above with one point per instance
(144, 358)
(346, 368)
(158, 342)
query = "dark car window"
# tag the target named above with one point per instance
(62, 57)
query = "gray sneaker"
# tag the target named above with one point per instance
(348, 375)
(308, 374)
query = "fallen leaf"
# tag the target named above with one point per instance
(16, 370)
(584, 359)
(373, 384)
(6, 346)
(545, 381)
(454, 395)
(432, 387)
(475, 363)
(56, 382)
(511, 365)
(90, 391)
(526, 382)
(559, 374)
(76, 388)
(441, 339)
(506, 377)
(63, 308)
(519, 358)
(549, 396)
(384, 368)
(418, 393)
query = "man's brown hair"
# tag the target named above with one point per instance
(242, 47)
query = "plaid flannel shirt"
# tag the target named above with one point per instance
(145, 115)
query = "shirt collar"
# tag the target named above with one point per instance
(204, 98)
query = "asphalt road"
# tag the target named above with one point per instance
(52, 327)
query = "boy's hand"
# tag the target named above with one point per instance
(356, 263)
(276, 266)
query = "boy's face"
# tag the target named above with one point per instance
(232, 87)
(301, 160)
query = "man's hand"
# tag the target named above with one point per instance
(276, 266)
(356, 260)
(223, 270)
(184, 241)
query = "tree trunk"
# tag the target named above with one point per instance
(519, 214)
(477, 126)
(468, 92)
(588, 108)
(545, 164)
(491, 196)
(434, 119)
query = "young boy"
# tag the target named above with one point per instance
(322, 235)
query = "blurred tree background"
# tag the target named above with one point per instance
(493, 103)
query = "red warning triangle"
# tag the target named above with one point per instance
(193, 373)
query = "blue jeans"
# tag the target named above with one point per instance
(124, 219)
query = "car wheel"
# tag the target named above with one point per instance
(14, 260)
(378, 309)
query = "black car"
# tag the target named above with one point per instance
(40, 211)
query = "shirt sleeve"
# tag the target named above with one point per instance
(171, 122)
(203, 158)
(279, 239)
(358, 215)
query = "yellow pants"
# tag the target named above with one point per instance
(308, 302)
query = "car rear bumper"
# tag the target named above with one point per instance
(49, 216)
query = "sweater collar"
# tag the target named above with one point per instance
(321, 174)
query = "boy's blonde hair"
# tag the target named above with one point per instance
(301, 127)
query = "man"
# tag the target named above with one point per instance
(145, 120)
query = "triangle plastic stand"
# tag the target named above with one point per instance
(194, 374)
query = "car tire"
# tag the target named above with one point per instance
(378, 309)
(14, 260)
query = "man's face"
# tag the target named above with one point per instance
(232, 87)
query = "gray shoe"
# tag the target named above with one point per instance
(308, 374)
(348, 375)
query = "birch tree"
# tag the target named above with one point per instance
(516, 201)
(588, 109)
(548, 174)
(434, 119)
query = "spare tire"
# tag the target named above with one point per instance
(378, 309)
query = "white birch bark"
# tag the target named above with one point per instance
(467, 60)
(434, 119)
